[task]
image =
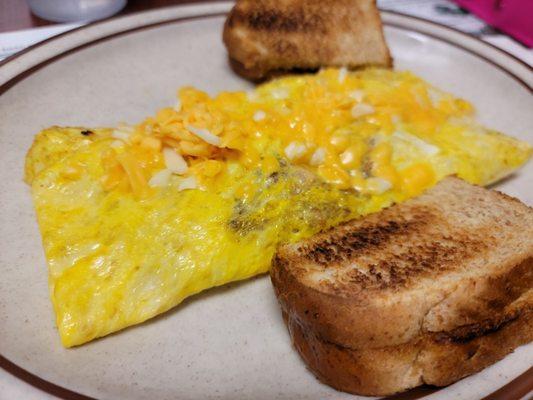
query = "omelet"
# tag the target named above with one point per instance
(134, 219)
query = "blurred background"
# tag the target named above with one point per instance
(507, 24)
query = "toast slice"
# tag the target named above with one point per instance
(433, 359)
(266, 37)
(431, 290)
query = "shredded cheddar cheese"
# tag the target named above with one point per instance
(369, 131)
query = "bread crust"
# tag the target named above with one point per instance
(266, 37)
(436, 359)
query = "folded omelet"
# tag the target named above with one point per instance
(136, 218)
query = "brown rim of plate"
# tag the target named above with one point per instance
(184, 2)
(514, 390)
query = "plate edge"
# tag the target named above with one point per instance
(513, 390)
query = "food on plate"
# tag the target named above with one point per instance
(136, 218)
(427, 291)
(123, 247)
(266, 37)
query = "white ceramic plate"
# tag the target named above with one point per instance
(228, 342)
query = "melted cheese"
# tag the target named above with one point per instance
(135, 219)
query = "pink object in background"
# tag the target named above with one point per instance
(514, 17)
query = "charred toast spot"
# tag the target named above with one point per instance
(383, 253)
(337, 249)
(296, 20)
(432, 257)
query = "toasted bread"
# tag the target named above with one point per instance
(266, 37)
(434, 359)
(444, 277)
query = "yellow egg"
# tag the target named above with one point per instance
(136, 219)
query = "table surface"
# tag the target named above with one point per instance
(16, 15)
